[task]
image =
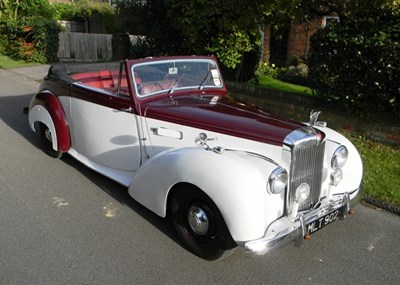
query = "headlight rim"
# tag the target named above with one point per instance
(338, 153)
(272, 180)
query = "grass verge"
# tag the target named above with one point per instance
(270, 83)
(381, 168)
(6, 62)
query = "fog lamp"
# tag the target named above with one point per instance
(336, 176)
(302, 192)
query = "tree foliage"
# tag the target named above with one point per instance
(228, 29)
(11, 9)
(355, 61)
(150, 18)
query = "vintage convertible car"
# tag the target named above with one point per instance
(225, 173)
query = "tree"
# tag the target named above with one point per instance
(12, 9)
(228, 29)
(355, 61)
(150, 18)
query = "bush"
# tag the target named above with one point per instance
(28, 8)
(68, 12)
(356, 61)
(33, 39)
(296, 74)
(269, 70)
(46, 40)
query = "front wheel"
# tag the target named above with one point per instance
(200, 225)
(47, 142)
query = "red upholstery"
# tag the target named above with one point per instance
(104, 79)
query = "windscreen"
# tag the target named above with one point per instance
(170, 75)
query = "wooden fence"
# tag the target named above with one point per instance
(84, 47)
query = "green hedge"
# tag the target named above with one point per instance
(33, 39)
(356, 62)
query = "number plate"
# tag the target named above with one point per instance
(323, 221)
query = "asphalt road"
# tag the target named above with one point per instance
(61, 223)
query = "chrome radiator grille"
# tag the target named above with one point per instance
(306, 167)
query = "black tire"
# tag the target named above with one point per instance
(46, 142)
(211, 240)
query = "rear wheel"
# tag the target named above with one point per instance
(200, 225)
(47, 142)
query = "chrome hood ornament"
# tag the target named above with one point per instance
(314, 119)
(309, 128)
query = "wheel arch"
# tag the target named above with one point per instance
(235, 185)
(175, 188)
(47, 109)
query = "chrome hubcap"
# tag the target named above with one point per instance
(47, 135)
(198, 220)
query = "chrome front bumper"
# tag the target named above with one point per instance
(286, 230)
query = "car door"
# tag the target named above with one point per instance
(104, 129)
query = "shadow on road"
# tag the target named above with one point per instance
(120, 194)
(11, 113)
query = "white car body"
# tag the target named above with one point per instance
(137, 141)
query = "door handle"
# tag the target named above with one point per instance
(164, 132)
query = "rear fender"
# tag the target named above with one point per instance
(47, 109)
(235, 181)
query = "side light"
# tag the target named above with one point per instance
(278, 180)
(339, 157)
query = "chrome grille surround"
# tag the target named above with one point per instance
(304, 154)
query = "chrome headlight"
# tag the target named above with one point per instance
(278, 180)
(339, 157)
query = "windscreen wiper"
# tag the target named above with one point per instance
(173, 85)
(203, 82)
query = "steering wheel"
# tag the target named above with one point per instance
(177, 80)
(149, 87)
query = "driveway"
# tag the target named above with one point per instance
(61, 223)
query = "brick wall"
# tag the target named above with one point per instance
(298, 41)
(266, 43)
(299, 38)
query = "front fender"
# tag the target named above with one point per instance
(234, 180)
(352, 170)
(47, 109)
